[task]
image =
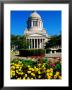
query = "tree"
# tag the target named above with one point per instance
(14, 41)
(54, 41)
(23, 44)
(19, 42)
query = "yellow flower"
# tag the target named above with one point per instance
(16, 65)
(51, 70)
(43, 66)
(39, 76)
(47, 70)
(39, 64)
(31, 78)
(19, 69)
(21, 73)
(29, 71)
(51, 74)
(28, 66)
(12, 67)
(47, 74)
(32, 74)
(12, 73)
(39, 72)
(25, 75)
(36, 69)
(57, 73)
(28, 78)
(55, 76)
(19, 78)
(32, 69)
(16, 71)
(49, 77)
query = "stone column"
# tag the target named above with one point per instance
(55, 51)
(37, 43)
(31, 23)
(40, 43)
(29, 43)
(51, 52)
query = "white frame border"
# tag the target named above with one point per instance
(65, 22)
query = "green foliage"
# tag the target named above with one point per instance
(22, 43)
(45, 60)
(54, 41)
(24, 62)
(29, 62)
(48, 50)
(58, 67)
(59, 50)
(19, 41)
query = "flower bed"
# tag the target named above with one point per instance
(28, 69)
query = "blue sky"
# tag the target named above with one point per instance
(51, 21)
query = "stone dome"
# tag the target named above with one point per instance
(35, 15)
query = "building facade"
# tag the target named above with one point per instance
(35, 32)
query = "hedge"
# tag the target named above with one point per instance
(32, 52)
(48, 50)
(59, 50)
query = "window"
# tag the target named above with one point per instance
(34, 23)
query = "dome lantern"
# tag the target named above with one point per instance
(35, 15)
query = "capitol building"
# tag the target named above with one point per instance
(35, 32)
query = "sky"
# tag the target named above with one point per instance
(51, 21)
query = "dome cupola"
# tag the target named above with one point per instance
(34, 22)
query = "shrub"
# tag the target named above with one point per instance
(59, 50)
(48, 50)
(32, 52)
